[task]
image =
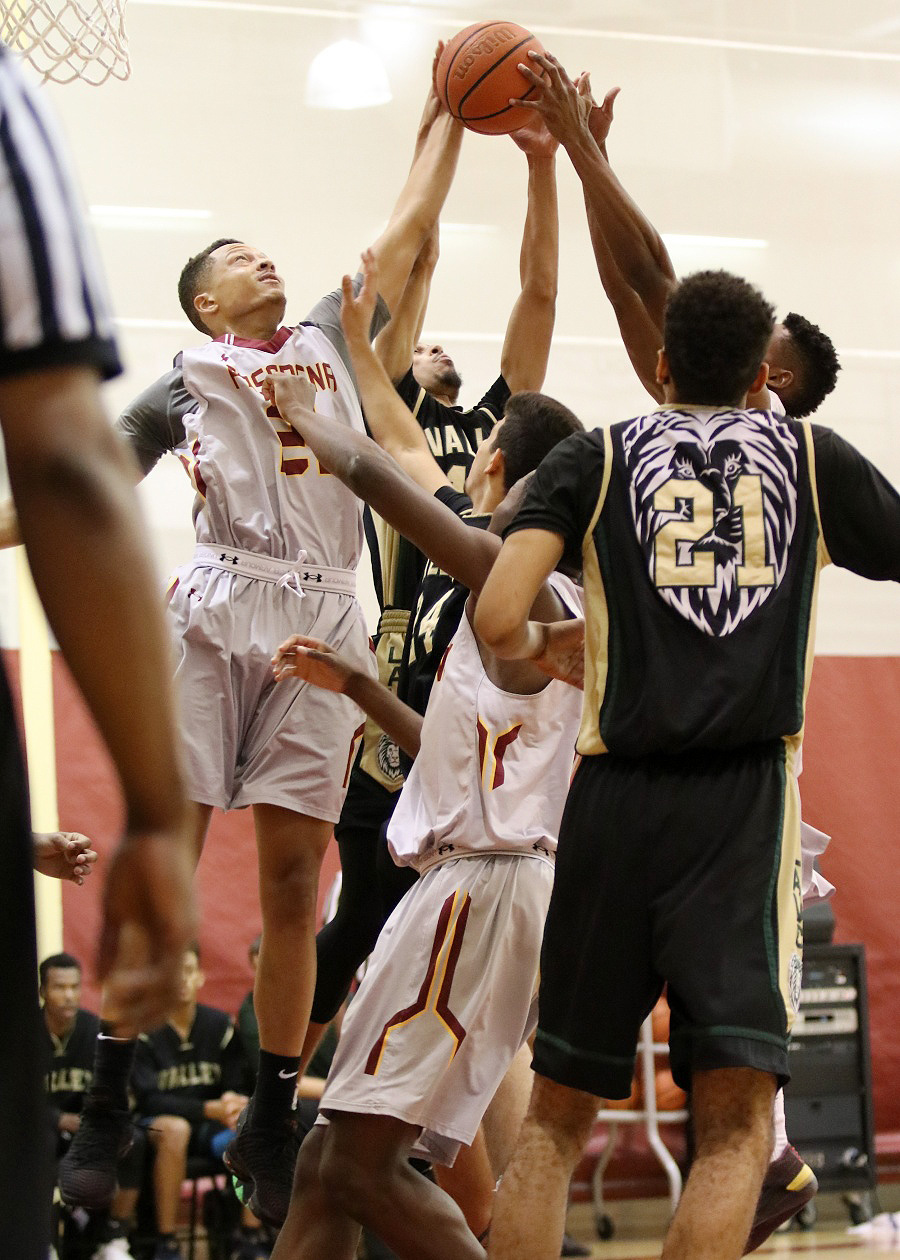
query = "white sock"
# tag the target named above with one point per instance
(780, 1142)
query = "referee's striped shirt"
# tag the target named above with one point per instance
(53, 305)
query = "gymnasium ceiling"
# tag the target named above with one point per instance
(770, 130)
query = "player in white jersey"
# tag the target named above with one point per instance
(447, 999)
(278, 539)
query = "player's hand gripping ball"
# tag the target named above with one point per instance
(478, 74)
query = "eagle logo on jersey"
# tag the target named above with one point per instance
(714, 503)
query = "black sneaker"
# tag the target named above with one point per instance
(789, 1184)
(87, 1172)
(261, 1162)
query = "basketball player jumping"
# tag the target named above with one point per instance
(637, 275)
(703, 527)
(278, 541)
(428, 382)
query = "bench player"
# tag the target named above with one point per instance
(703, 527)
(278, 540)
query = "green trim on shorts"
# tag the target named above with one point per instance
(729, 1030)
(772, 894)
(593, 1055)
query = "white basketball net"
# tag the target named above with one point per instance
(69, 39)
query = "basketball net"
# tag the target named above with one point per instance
(69, 39)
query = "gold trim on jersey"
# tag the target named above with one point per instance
(789, 891)
(596, 624)
(793, 742)
(824, 557)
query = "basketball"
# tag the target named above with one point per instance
(478, 74)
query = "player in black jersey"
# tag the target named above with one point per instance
(702, 527)
(190, 1081)
(429, 384)
(71, 1034)
(633, 261)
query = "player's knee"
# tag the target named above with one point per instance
(345, 1178)
(352, 1176)
(290, 891)
(170, 1133)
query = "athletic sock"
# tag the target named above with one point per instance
(276, 1082)
(780, 1137)
(113, 1061)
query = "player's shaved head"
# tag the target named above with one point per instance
(716, 334)
(194, 275)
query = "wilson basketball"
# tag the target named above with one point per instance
(478, 74)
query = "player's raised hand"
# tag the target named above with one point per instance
(534, 139)
(562, 655)
(63, 855)
(433, 107)
(357, 309)
(599, 117)
(314, 661)
(556, 98)
(148, 923)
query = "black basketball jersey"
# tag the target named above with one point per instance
(440, 602)
(702, 533)
(70, 1060)
(176, 1077)
(454, 435)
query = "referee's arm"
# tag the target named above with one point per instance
(80, 523)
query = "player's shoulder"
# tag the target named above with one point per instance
(87, 1023)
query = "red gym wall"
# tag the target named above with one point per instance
(849, 789)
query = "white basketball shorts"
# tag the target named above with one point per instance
(249, 740)
(449, 996)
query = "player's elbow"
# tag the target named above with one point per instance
(541, 290)
(496, 623)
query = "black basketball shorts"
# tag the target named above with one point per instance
(684, 871)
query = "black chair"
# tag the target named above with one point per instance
(216, 1207)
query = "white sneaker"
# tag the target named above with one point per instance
(115, 1249)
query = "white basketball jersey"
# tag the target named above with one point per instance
(258, 487)
(493, 768)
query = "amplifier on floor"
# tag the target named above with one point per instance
(828, 1103)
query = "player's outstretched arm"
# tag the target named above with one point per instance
(80, 523)
(396, 344)
(372, 474)
(526, 347)
(631, 255)
(319, 664)
(419, 205)
(390, 421)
